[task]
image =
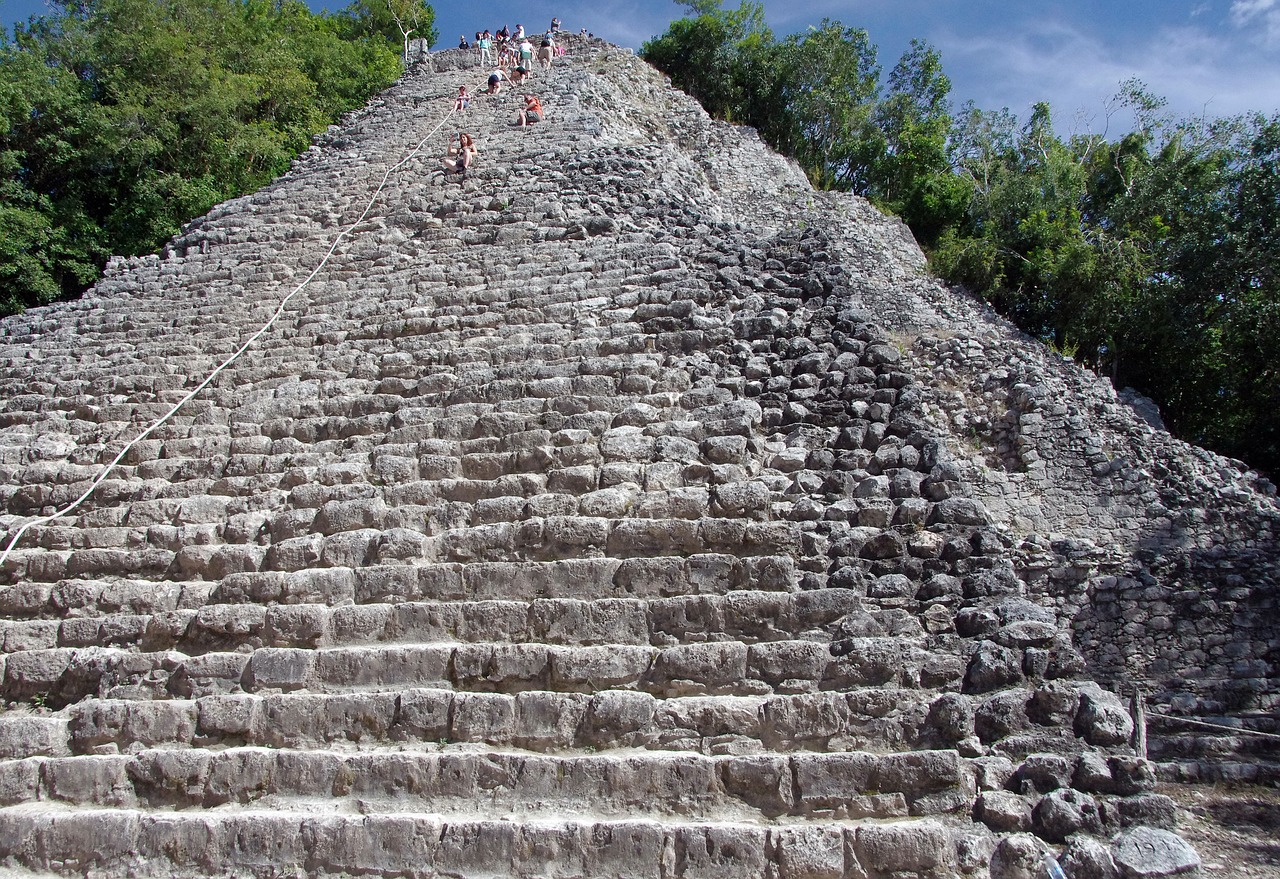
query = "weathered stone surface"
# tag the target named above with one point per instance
(625, 508)
(1143, 852)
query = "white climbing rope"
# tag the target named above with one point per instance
(41, 520)
(1231, 729)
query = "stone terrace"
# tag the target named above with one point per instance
(624, 509)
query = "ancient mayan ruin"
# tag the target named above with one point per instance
(626, 508)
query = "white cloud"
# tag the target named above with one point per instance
(1077, 72)
(1258, 13)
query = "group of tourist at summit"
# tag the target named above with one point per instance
(507, 49)
(511, 54)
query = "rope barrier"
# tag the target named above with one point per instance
(1231, 729)
(41, 520)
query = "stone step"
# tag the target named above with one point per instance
(357, 545)
(747, 616)
(571, 578)
(533, 720)
(619, 785)
(80, 841)
(61, 676)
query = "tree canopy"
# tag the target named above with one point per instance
(120, 120)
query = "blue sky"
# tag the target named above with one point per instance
(1218, 57)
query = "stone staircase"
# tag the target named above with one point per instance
(579, 519)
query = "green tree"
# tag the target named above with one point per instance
(706, 55)
(828, 81)
(398, 20)
(123, 119)
(913, 175)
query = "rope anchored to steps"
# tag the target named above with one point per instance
(98, 480)
(1235, 730)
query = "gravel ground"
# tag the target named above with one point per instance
(1236, 829)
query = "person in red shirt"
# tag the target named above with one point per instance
(531, 113)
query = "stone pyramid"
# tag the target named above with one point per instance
(625, 508)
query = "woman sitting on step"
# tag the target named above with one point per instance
(531, 112)
(461, 154)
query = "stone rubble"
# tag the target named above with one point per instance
(625, 508)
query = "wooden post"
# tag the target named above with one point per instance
(1138, 707)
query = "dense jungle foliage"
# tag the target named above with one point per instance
(120, 120)
(1153, 258)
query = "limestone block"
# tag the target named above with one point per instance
(932, 781)
(806, 721)
(99, 781)
(608, 621)
(617, 717)
(208, 674)
(1102, 718)
(422, 715)
(1042, 773)
(226, 717)
(88, 841)
(126, 723)
(227, 624)
(587, 669)
(397, 843)
(861, 662)
(764, 782)
(414, 666)
(240, 775)
(788, 666)
(420, 622)
(295, 625)
(1088, 859)
(306, 773)
(34, 737)
(398, 583)
(1003, 811)
(827, 782)
(633, 849)
(1148, 810)
(470, 849)
(686, 618)
(812, 853)
(495, 621)
(365, 624)
(257, 842)
(1020, 856)
(1061, 813)
(917, 847)
(295, 553)
(641, 537)
(350, 549)
(186, 842)
(171, 777)
(502, 667)
(482, 717)
(19, 783)
(554, 849)
(992, 667)
(35, 672)
(549, 721)
(279, 668)
(720, 852)
(19, 637)
(1001, 715)
(1143, 852)
(694, 669)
